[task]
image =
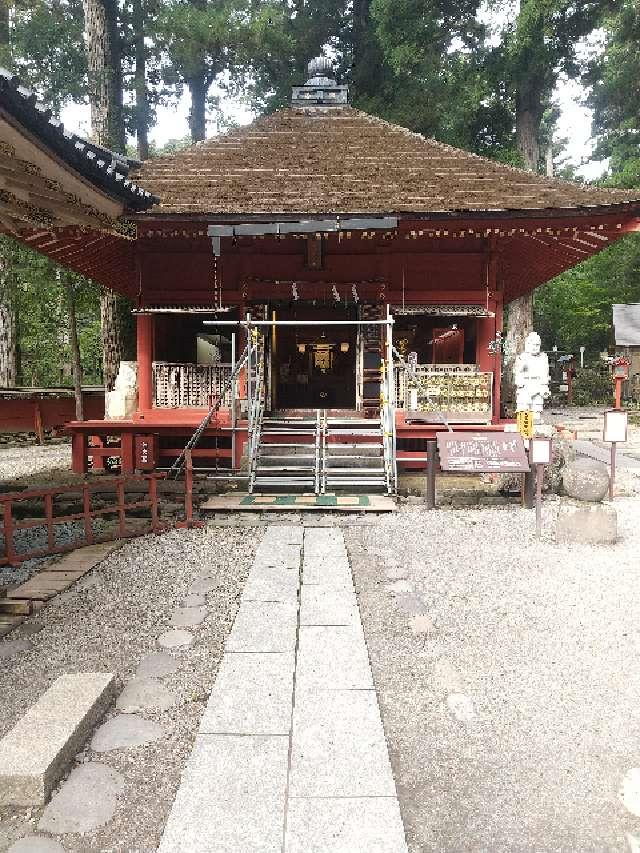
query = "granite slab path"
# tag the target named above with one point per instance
(291, 755)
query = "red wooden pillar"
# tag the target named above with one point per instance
(79, 451)
(145, 361)
(127, 460)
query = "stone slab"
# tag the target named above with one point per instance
(10, 648)
(322, 605)
(125, 731)
(175, 639)
(271, 584)
(344, 825)
(288, 534)
(141, 694)
(156, 665)
(253, 694)
(187, 617)
(231, 797)
(338, 746)
(35, 753)
(87, 800)
(36, 844)
(203, 585)
(333, 658)
(329, 572)
(263, 627)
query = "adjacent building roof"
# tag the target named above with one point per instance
(322, 160)
(626, 322)
(103, 168)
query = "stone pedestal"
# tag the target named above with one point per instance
(591, 523)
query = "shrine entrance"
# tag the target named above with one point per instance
(313, 366)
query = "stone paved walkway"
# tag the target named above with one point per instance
(291, 755)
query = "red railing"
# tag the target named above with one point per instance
(10, 526)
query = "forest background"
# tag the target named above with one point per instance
(435, 66)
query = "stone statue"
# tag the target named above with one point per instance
(532, 377)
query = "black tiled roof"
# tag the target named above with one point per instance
(103, 168)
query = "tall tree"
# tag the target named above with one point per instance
(142, 113)
(538, 46)
(8, 321)
(104, 63)
(8, 324)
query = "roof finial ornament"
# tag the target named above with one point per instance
(321, 89)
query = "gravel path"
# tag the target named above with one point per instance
(108, 622)
(27, 460)
(508, 675)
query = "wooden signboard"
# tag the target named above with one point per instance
(482, 452)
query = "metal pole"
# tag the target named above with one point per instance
(430, 496)
(539, 478)
(612, 478)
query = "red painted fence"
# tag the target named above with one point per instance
(10, 526)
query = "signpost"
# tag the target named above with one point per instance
(540, 455)
(615, 431)
(482, 452)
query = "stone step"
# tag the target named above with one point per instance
(37, 751)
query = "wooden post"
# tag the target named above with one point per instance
(39, 426)
(48, 512)
(430, 496)
(612, 478)
(539, 478)
(121, 510)
(144, 328)
(9, 547)
(86, 508)
(188, 487)
(127, 462)
(153, 500)
(79, 451)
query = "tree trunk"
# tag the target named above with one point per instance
(140, 79)
(8, 327)
(104, 62)
(75, 346)
(113, 342)
(528, 132)
(104, 65)
(198, 87)
(529, 114)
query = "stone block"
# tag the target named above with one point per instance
(333, 658)
(36, 752)
(595, 524)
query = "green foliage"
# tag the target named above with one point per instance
(574, 309)
(591, 386)
(43, 325)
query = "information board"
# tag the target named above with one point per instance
(482, 452)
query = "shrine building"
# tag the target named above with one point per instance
(367, 266)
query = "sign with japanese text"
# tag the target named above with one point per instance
(524, 421)
(482, 452)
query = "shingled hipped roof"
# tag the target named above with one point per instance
(340, 160)
(103, 168)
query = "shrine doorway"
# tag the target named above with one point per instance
(313, 366)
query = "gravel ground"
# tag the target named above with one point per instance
(108, 622)
(508, 675)
(27, 460)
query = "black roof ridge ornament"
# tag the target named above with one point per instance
(321, 89)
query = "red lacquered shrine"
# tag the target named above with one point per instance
(371, 264)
